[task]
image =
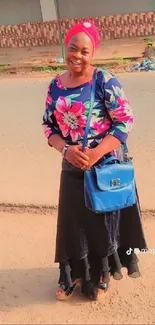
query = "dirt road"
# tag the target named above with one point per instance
(28, 279)
(30, 169)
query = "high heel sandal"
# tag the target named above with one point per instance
(63, 293)
(103, 286)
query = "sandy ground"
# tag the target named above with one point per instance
(28, 279)
(30, 169)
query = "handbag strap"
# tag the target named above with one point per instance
(110, 159)
(85, 140)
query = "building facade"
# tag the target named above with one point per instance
(34, 22)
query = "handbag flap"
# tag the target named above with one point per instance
(114, 176)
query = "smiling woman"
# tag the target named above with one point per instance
(89, 246)
(77, 55)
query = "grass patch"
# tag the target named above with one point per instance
(3, 70)
(118, 58)
(121, 60)
(3, 67)
(126, 61)
(148, 41)
(48, 69)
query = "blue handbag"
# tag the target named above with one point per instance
(110, 184)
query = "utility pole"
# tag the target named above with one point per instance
(60, 29)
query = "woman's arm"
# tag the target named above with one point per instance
(119, 109)
(108, 144)
(73, 154)
(56, 142)
(121, 115)
(49, 123)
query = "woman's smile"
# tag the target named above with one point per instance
(76, 63)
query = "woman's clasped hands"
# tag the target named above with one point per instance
(83, 160)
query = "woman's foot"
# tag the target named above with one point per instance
(102, 289)
(103, 286)
(64, 293)
(92, 291)
(100, 295)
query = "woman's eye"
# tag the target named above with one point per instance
(72, 49)
(85, 53)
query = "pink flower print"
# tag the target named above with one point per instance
(47, 131)
(70, 118)
(58, 82)
(48, 98)
(123, 102)
(101, 127)
(121, 115)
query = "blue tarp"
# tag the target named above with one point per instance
(145, 65)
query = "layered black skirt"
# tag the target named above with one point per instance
(88, 244)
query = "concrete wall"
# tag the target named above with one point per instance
(48, 10)
(88, 8)
(19, 11)
(22, 11)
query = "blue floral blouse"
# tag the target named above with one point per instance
(67, 110)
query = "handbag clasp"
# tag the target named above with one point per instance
(115, 182)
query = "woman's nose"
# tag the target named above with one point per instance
(77, 55)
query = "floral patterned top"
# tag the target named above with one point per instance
(67, 110)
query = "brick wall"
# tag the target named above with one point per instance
(46, 33)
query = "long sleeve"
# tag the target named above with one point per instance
(49, 122)
(118, 108)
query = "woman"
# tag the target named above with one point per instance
(88, 246)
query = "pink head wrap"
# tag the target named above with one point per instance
(89, 29)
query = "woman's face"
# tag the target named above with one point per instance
(79, 53)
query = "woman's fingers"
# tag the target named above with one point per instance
(77, 164)
(82, 155)
(77, 157)
(82, 162)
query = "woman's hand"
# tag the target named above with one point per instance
(76, 157)
(93, 156)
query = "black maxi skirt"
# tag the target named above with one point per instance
(86, 241)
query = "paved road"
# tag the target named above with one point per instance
(30, 169)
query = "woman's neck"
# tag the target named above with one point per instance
(86, 74)
(70, 79)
